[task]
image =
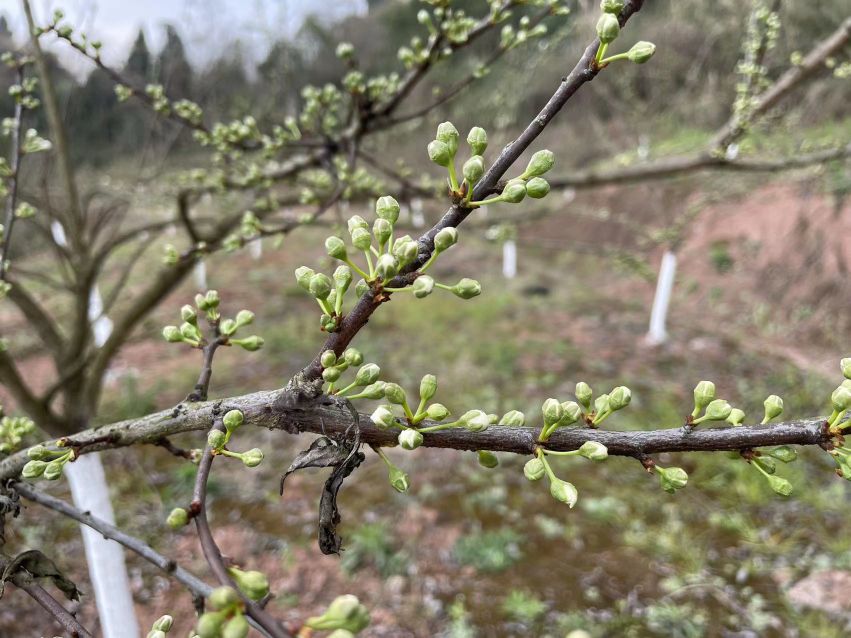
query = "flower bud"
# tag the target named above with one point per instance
(779, 484)
(773, 407)
(331, 374)
(513, 418)
(383, 417)
(320, 286)
(216, 439)
(374, 391)
(594, 450)
(448, 134)
(736, 416)
(514, 192)
(422, 286)
(236, 627)
(328, 359)
(228, 327)
(672, 478)
(33, 469)
(467, 288)
(477, 138)
(156, 633)
(601, 404)
(53, 470)
(188, 314)
(163, 623)
(353, 356)
(570, 413)
(840, 399)
(361, 288)
(177, 518)
(38, 452)
(223, 598)
(608, 28)
(201, 303)
(344, 50)
(784, 453)
(252, 343)
(537, 187)
(718, 410)
(473, 169)
(405, 251)
(704, 392)
(611, 6)
(383, 230)
(303, 275)
(188, 331)
(619, 398)
(487, 459)
(563, 491)
(342, 278)
(395, 393)
(244, 318)
(210, 625)
(540, 163)
(428, 387)
(212, 299)
(641, 52)
(410, 439)
(475, 421)
(172, 334)
(584, 394)
(398, 479)
(845, 366)
(534, 469)
(445, 238)
(356, 221)
(439, 153)
(552, 412)
(367, 374)
(335, 247)
(437, 412)
(387, 208)
(387, 267)
(361, 238)
(233, 419)
(254, 584)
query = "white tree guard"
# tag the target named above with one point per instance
(664, 285)
(417, 217)
(255, 248)
(509, 259)
(105, 557)
(201, 276)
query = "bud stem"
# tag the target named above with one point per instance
(405, 289)
(557, 453)
(485, 202)
(369, 265)
(443, 426)
(600, 53)
(601, 417)
(430, 261)
(357, 269)
(323, 303)
(453, 177)
(342, 392)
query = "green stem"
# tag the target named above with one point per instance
(353, 384)
(601, 417)
(323, 303)
(600, 53)
(407, 409)
(430, 261)
(550, 474)
(443, 426)
(555, 453)
(233, 455)
(356, 268)
(443, 286)
(453, 177)
(485, 202)
(405, 289)
(369, 265)
(614, 58)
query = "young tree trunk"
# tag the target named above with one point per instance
(664, 285)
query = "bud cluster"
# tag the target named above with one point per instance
(161, 627)
(608, 30)
(223, 330)
(840, 401)
(12, 431)
(530, 182)
(218, 439)
(718, 409)
(46, 462)
(366, 377)
(226, 618)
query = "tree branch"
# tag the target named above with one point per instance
(14, 167)
(53, 607)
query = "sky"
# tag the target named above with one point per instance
(205, 25)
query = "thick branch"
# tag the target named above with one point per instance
(38, 593)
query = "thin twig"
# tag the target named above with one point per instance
(53, 607)
(14, 178)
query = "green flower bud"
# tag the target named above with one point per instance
(188, 314)
(845, 366)
(773, 407)
(201, 303)
(374, 391)
(437, 412)
(216, 439)
(387, 208)
(779, 484)
(228, 327)
(244, 318)
(223, 598)
(422, 286)
(33, 469)
(672, 478)
(594, 450)
(552, 412)
(172, 334)
(514, 192)
(335, 247)
(254, 584)
(38, 452)
(342, 278)
(53, 470)
(188, 331)
(601, 404)
(534, 469)
(356, 221)
(345, 50)
(383, 417)
(571, 412)
(608, 28)
(475, 421)
(383, 230)
(718, 410)
(210, 625)
(477, 138)
(445, 238)
(467, 288)
(439, 153)
(398, 479)
(361, 288)
(361, 238)
(563, 491)
(488, 459)
(253, 457)
(233, 419)
(163, 623)
(513, 418)
(428, 387)
(846, 384)
(619, 398)
(367, 374)
(331, 374)
(736, 416)
(177, 518)
(387, 267)
(641, 52)
(448, 134)
(252, 343)
(537, 187)
(473, 169)
(156, 633)
(584, 394)
(410, 439)
(320, 286)
(784, 453)
(395, 393)
(611, 6)
(328, 359)
(405, 251)
(704, 392)
(353, 356)
(840, 399)
(303, 275)
(236, 627)
(540, 163)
